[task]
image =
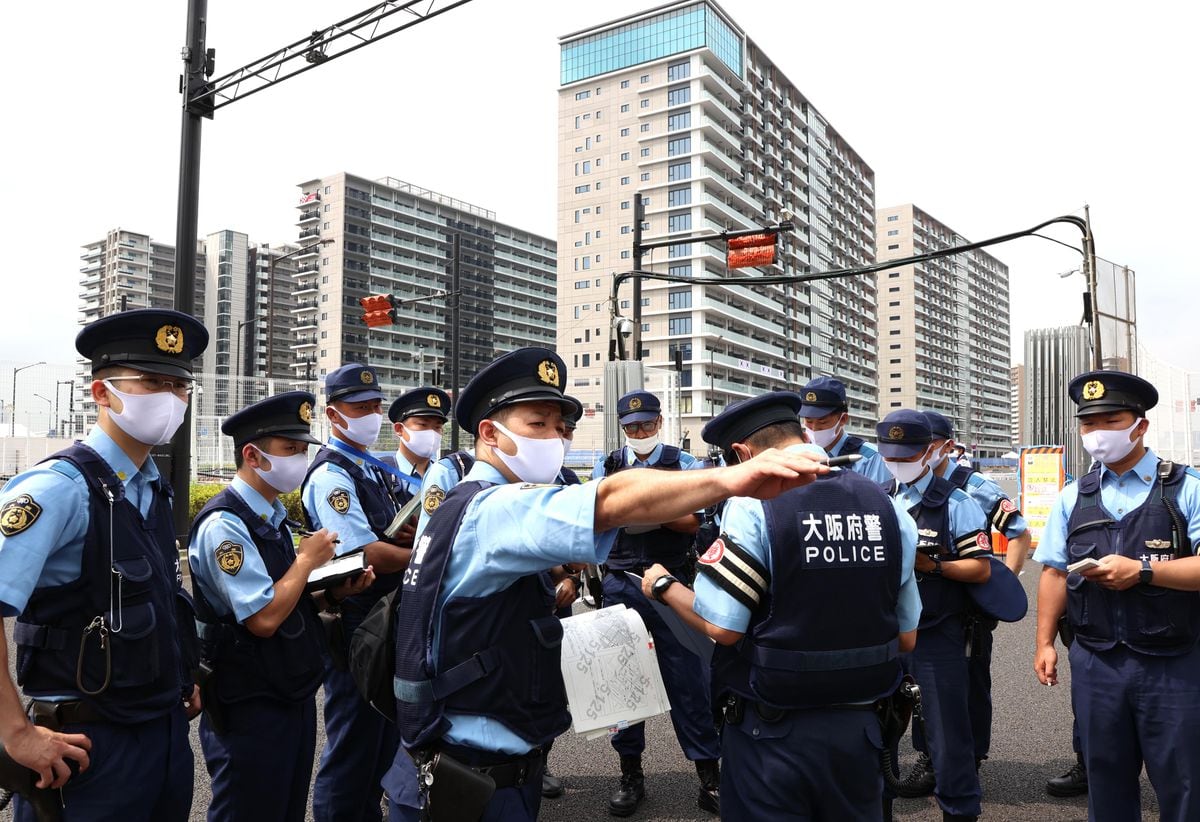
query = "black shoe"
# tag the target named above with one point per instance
(920, 780)
(709, 772)
(552, 786)
(632, 790)
(1073, 783)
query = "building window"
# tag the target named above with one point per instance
(678, 71)
(679, 299)
(679, 222)
(582, 189)
(679, 171)
(625, 229)
(894, 318)
(679, 96)
(624, 155)
(894, 289)
(645, 176)
(624, 132)
(893, 232)
(624, 108)
(679, 145)
(624, 181)
(644, 103)
(582, 95)
(893, 247)
(680, 270)
(587, 264)
(679, 250)
(624, 204)
(894, 304)
(893, 275)
(679, 325)
(893, 218)
(679, 121)
(645, 151)
(644, 128)
(625, 254)
(679, 196)
(645, 78)
(624, 84)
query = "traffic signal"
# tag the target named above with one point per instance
(750, 250)
(378, 309)
(437, 376)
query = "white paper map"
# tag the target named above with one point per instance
(611, 671)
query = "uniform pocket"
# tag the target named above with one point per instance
(134, 648)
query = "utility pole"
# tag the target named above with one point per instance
(1089, 263)
(639, 217)
(455, 300)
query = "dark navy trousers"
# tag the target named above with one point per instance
(811, 765)
(360, 747)
(939, 665)
(138, 773)
(1135, 709)
(979, 695)
(261, 766)
(686, 681)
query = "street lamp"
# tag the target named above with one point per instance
(237, 372)
(12, 409)
(70, 404)
(712, 379)
(49, 409)
(271, 292)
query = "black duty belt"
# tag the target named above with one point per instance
(54, 715)
(736, 706)
(506, 771)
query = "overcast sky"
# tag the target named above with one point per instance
(990, 117)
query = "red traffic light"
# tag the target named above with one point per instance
(750, 250)
(378, 309)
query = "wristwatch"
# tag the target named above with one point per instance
(1146, 574)
(936, 570)
(660, 585)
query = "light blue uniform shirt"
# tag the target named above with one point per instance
(989, 494)
(1120, 495)
(352, 527)
(870, 466)
(50, 551)
(744, 521)
(508, 532)
(251, 589)
(966, 516)
(442, 476)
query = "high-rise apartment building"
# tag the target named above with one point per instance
(360, 237)
(1016, 378)
(943, 330)
(122, 271)
(1053, 357)
(272, 334)
(679, 107)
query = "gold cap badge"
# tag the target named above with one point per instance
(433, 401)
(635, 403)
(811, 396)
(547, 372)
(896, 432)
(1093, 390)
(169, 339)
(367, 377)
(306, 413)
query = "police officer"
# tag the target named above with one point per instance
(670, 545)
(418, 418)
(88, 565)
(475, 593)
(262, 639)
(1135, 663)
(826, 415)
(1005, 517)
(352, 492)
(953, 551)
(801, 739)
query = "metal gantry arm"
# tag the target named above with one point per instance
(341, 38)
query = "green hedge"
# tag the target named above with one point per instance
(201, 494)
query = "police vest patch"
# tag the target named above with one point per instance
(735, 571)
(1007, 505)
(229, 557)
(18, 514)
(433, 498)
(339, 500)
(714, 553)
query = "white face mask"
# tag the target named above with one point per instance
(645, 445)
(537, 461)
(362, 430)
(826, 437)
(906, 472)
(1110, 446)
(151, 419)
(424, 444)
(286, 473)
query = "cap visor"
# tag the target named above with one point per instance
(1101, 408)
(302, 436)
(358, 396)
(815, 412)
(639, 416)
(894, 450)
(166, 369)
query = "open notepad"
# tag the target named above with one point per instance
(336, 571)
(406, 512)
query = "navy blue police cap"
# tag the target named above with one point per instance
(939, 425)
(821, 397)
(420, 402)
(1003, 596)
(638, 406)
(526, 375)
(352, 383)
(572, 419)
(1102, 392)
(741, 419)
(155, 340)
(285, 415)
(903, 433)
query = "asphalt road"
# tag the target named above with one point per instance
(1031, 742)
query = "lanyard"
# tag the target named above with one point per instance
(410, 482)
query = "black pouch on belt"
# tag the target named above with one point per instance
(453, 791)
(17, 779)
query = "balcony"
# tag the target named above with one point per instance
(303, 341)
(304, 306)
(306, 287)
(310, 232)
(306, 216)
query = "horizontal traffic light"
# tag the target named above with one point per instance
(378, 309)
(750, 250)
